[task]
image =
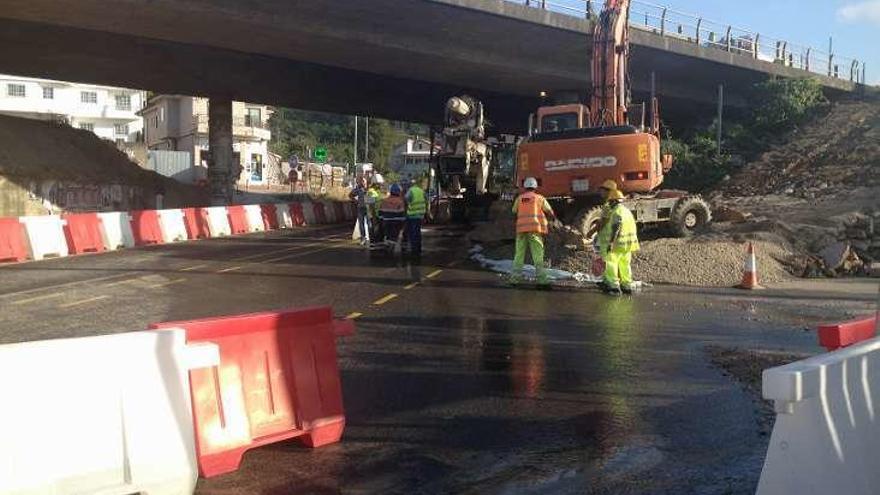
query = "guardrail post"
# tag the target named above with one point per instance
(864, 81)
(729, 28)
(755, 49)
(589, 9)
(830, 64)
(807, 65)
(699, 22)
(544, 4)
(663, 22)
(854, 70)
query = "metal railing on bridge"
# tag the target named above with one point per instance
(693, 28)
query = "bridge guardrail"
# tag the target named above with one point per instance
(699, 30)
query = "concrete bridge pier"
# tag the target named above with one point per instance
(222, 169)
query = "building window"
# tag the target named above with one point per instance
(87, 126)
(15, 90)
(48, 93)
(121, 129)
(252, 118)
(88, 97)
(162, 114)
(123, 102)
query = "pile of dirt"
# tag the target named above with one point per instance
(828, 156)
(37, 150)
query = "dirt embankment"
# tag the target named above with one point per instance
(35, 153)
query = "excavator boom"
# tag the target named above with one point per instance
(610, 95)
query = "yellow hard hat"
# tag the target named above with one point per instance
(609, 184)
(614, 194)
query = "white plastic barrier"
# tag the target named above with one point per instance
(309, 213)
(45, 235)
(218, 221)
(108, 414)
(172, 224)
(330, 212)
(282, 211)
(254, 217)
(827, 433)
(116, 230)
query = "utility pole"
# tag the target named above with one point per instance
(367, 139)
(720, 114)
(355, 159)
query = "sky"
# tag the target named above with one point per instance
(854, 25)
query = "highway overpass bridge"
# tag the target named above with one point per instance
(397, 59)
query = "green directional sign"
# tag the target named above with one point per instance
(321, 154)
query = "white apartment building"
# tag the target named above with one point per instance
(180, 123)
(111, 113)
(413, 158)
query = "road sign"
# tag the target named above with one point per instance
(321, 154)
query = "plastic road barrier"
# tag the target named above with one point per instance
(99, 415)
(173, 226)
(83, 233)
(277, 379)
(237, 219)
(330, 211)
(13, 246)
(116, 230)
(45, 236)
(283, 218)
(837, 335)
(340, 210)
(320, 214)
(145, 227)
(254, 216)
(308, 211)
(827, 431)
(270, 216)
(218, 221)
(196, 222)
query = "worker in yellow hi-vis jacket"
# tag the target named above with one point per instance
(618, 240)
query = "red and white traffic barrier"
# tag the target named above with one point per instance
(100, 415)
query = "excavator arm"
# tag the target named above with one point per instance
(610, 95)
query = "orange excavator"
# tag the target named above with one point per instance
(572, 149)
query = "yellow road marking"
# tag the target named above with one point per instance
(38, 298)
(434, 274)
(82, 301)
(384, 300)
(163, 284)
(411, 286)
(296, 255)
(354, 315)
(190, 268)
(126, 281)
(67, 284)
(285, 250)
(230, 269)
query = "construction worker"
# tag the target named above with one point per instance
(618, 240)
(358, 195)
(532, 211)
(606, 187)
(416, 207)
(374, 198)
(392, 211)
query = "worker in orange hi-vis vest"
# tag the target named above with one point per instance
(532, 212)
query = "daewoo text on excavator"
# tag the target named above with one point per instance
(572, 149)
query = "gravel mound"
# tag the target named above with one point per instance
(706, 262)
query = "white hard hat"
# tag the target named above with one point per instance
(530, 183)
(378, 179)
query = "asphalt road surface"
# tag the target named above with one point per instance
(453, 383)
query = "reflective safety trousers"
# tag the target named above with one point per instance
(627, 240)
(530, 217)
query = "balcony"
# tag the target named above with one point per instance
(242, 127)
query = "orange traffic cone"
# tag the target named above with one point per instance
(750, 271)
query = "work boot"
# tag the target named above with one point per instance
(613, 291)
(626, 289)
